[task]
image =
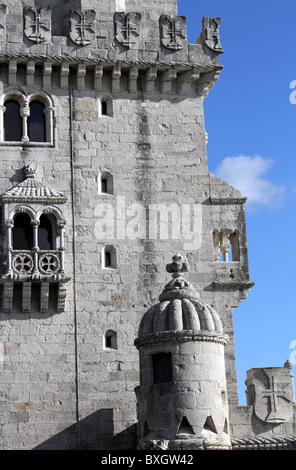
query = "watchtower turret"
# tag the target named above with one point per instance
(182, 399)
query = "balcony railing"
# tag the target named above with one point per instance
(35, 265)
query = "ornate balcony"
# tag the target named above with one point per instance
(36, 265)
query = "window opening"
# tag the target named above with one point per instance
(22, 232)
(162, 368)
(104, 108)
(109, 257)
(226, 245)
(45, 235)
(12, 121)
(106, 183)
(36, 122)
(110, 339)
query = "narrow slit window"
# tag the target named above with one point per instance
(12, 121)
(109, 257)
(36, 122)
(106, 183)
(104, 108)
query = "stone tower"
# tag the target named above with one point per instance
(103, 177)
(182, 396)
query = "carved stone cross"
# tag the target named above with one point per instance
(274, 393)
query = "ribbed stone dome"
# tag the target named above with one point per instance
(179, 308)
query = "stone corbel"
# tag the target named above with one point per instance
(116, 74)
(64, 75)
(133, 76)
(30, 73)
(26, 297)
(98, 77)
(206, 82)
(185, 80)
(44, 297)
(12, 70)
(62, 292)
(166, 81)
(150, 77)
(7, 296)
(47, 71)
(81, 72)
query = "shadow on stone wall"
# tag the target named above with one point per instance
(95, 432)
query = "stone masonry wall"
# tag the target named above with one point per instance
(62, 385)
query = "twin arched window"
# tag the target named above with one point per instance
(23, 238)
(27, 119)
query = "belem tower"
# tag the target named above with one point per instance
(122, 257)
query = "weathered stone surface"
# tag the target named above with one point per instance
(125, 158)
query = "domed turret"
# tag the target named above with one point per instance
(182, 393)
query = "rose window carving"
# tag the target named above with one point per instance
(49, 263)
(23, 264)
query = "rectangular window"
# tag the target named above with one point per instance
(162, 368)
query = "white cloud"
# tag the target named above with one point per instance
(247, 174)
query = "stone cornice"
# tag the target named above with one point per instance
(181, 337)
(95, 60)
(236, 285)
(227, 200)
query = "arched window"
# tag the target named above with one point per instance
(12, 121)
(110, 339)
(37, 122)
(104, 108)
(45, 235)
(106, 183)
(109, 257)
(22, 232)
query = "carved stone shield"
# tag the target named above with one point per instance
(38, 24)
(173, 32)
(211, 33)
(127, 29)
(82, 26)
(273, 395)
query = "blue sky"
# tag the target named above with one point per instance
(251, 124)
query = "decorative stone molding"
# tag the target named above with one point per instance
(38, 24)
(173, 33)
(82, 26)
(127, 29)
(228, 200)
(177, 337)
(267, 443)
